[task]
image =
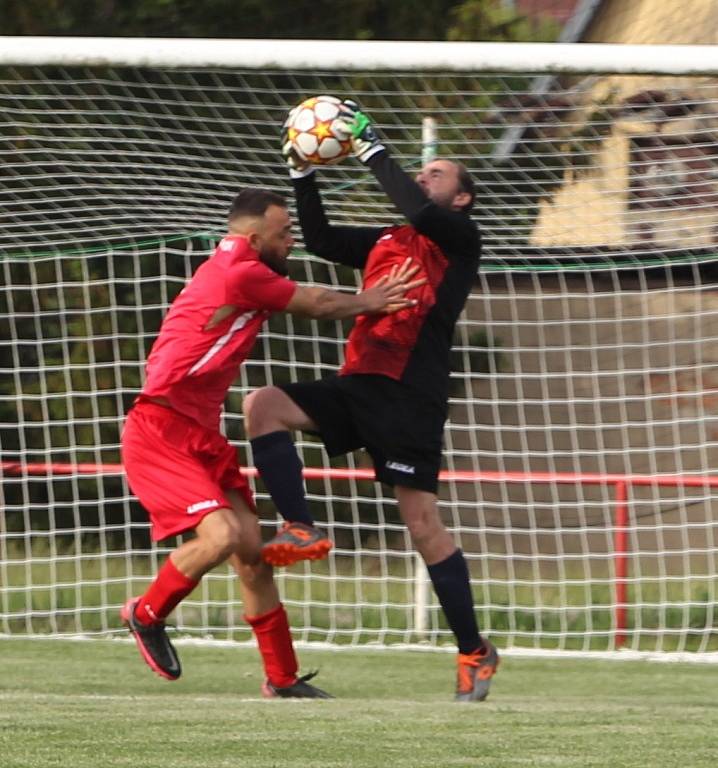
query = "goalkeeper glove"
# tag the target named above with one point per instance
(365, 142)
(298, 165)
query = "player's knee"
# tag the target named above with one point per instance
(255, 575)
(423, 528)
(258, 407)
(419, 531)
(222, 539)
(250, 550)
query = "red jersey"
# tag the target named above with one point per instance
(383, 343)
(194, 361)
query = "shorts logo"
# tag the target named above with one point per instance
(200, 505)
(405, 468)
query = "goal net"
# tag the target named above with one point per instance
(583, 427)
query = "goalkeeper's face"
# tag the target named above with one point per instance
(440, 182)
(273, 239)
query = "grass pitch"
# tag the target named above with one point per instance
(95, 704)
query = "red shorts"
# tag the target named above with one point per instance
(178, 469)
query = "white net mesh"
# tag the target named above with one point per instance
(586, 354)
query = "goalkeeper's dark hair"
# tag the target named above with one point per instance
(466, 184)
(252, 201)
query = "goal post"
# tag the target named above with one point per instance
(583, 425)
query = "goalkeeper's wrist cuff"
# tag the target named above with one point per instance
(369, 153)
(297, 174)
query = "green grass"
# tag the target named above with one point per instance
(91, 704)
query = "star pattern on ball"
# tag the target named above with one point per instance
(317, 132)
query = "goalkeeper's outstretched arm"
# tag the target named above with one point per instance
(452, 230)
(341, 244)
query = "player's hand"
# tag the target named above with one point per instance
(388, 294)
(298, 165)
(358, 125)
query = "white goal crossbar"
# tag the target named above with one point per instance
(570, 58)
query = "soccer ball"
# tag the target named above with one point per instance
(315, 131)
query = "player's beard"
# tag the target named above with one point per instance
(275, 262)
(443, 200)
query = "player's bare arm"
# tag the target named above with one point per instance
(387, 295)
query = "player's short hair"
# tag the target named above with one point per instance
(466, 184)
(252, 201)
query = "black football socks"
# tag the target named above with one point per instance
(451, 583)
(280, 467)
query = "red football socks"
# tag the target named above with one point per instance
(275, 645)
(168, 589)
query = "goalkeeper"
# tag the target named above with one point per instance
(182, 468)
(391, 395)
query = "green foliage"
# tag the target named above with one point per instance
(497, 21)
(311, 19)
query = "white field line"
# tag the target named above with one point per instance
(64, 697)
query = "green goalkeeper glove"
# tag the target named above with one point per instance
(298, 165)
(365, 142)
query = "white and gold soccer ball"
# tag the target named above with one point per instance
(316, 130)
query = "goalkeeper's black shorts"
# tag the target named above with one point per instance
(401, 429)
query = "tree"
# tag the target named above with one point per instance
(302, 19)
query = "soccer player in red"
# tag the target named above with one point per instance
(391, 395)
(182, 468)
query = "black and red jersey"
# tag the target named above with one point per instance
(413, 345)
